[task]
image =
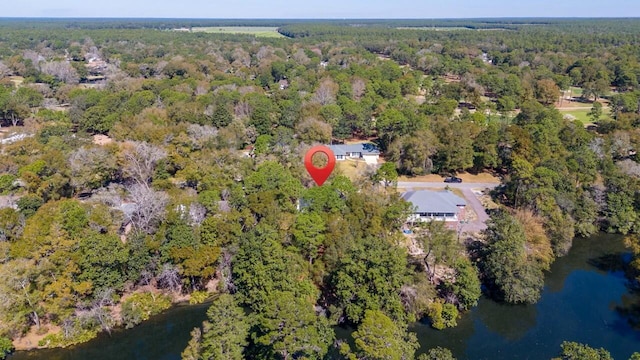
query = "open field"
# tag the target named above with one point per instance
(257, 31)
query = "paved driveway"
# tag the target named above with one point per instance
(468, 191)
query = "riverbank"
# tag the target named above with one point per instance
(580, 302)
(35, 337)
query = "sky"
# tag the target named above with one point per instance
(319, 8)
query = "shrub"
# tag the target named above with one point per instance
(198, 297)
(6, 183)
(142, 306)
(75, 331)
(29, 204)
(442, 315)
(6, 347)
(59, 340)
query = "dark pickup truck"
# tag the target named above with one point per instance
(452, 179)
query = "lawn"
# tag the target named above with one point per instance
(257, 31)
(353, 169)
(580, 114)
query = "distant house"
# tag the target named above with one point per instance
(435, 205)
(367, 151)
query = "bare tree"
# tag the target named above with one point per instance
(301, 57)
(197, 213)
(149, 207)
(141, 159)
(326, 92)
(629, 167)
(4, 70)
(62, 71)
(34, 57)
(597, 146)
(100, 313)
(264, 52)
(199, 134)
(620, 144)
(358, 88)
(240, 58)
(242, 109)
(169, 278)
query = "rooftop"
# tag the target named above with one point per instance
(364, 148)
(428, 201)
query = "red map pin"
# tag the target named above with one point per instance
(320, 175)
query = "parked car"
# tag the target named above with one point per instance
(452, 179)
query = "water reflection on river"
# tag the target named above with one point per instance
(578, 304)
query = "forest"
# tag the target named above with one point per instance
(144, 166)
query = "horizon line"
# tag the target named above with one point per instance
(310, 18)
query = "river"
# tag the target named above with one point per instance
(578, 303)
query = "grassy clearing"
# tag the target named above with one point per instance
(575, 91)
(353, 169)
(579, 114)
(257, 31)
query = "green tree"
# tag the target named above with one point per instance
(272, 180)
(576, 351)
(437, 353)
(141, 306)
(263, 267)
(466, 287)
(29, 204)
(308, 234)
(224, 335)
(221, 116)
(515, 279)
(102, 259)
(20, 306)
(369, 277)
(387, 174)
(288, 328)
(380, 338)
(443, 315)
(596, 112)
(440, 246)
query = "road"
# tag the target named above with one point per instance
(467, 190)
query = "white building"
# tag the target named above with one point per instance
(435, 205)
(366, 151)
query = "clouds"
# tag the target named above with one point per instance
(321, 8)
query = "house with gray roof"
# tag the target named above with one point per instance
(367, 151)
(431, 205)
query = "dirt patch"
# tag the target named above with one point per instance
(466, 178)
(16, 80)
(418, 99)
(33, 336)
(102, 140)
